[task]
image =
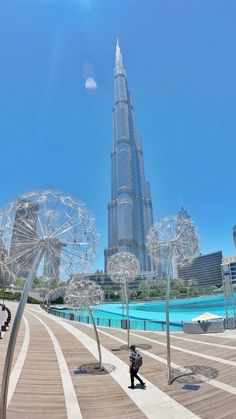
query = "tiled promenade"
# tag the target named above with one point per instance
(50, 349)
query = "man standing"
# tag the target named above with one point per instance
(135, 361)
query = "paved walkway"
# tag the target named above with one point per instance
(3, 316)
(50, 349)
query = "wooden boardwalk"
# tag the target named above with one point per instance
(49, 350)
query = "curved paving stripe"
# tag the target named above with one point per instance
(16, 371)
(154, 399)
(211, 381)
(229, 335)
(71, 401)
(225, 387)
(188, 351)
(217, 345)
(18, 366)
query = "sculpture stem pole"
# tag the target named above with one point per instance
(97, 337)
(168, 322)
(127, 313)
(122, 297)
(14, 332)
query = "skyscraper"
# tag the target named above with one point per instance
(130, 208)
(189, 233)
(3, 261)
(234, 234)
(52, 259)
(24, 231)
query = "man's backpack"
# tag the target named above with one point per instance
(138, 360)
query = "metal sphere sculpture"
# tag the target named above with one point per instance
(123, 267)
(6, 277)
(55, 223)
(51, 290)
(173, 238)
(48, 234)
(172, 241)
(81, 292)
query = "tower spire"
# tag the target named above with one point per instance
(119, 65)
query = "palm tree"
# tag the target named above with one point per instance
(192, 285)
(177, 285)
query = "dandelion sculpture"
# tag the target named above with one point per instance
(49, 286)
(48, 234)
(82, 292)
(172, 241)
(123, 267)
(51, 291)
(6, 277)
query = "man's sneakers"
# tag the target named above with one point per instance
(142, 384)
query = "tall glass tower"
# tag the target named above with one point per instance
(130, 208)
(234, 234)
(25, 227)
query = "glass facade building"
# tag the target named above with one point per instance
(130, 213)
(190, 233)
(234, 234)
(229, 267)
(206, 269)
(24, 229)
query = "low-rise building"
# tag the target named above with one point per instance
(229, 266)
(206, 269)
(103, 279)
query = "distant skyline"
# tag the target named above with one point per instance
(57, 94)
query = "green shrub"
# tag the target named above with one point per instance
(16, 296)
(58, 300)
(10, 295)
(32, 300)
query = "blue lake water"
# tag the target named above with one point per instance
(180, 310)
(151, 315)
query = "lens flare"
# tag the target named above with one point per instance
(90, 84)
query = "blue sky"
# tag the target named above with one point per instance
(181, 66)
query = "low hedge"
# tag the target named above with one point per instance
(15, 296)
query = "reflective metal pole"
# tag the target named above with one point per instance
(127, 312)
(97, 337)
(14, 332)
(226, 310)
(169, 276)
(122, 297)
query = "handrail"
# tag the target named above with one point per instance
(116, 323)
